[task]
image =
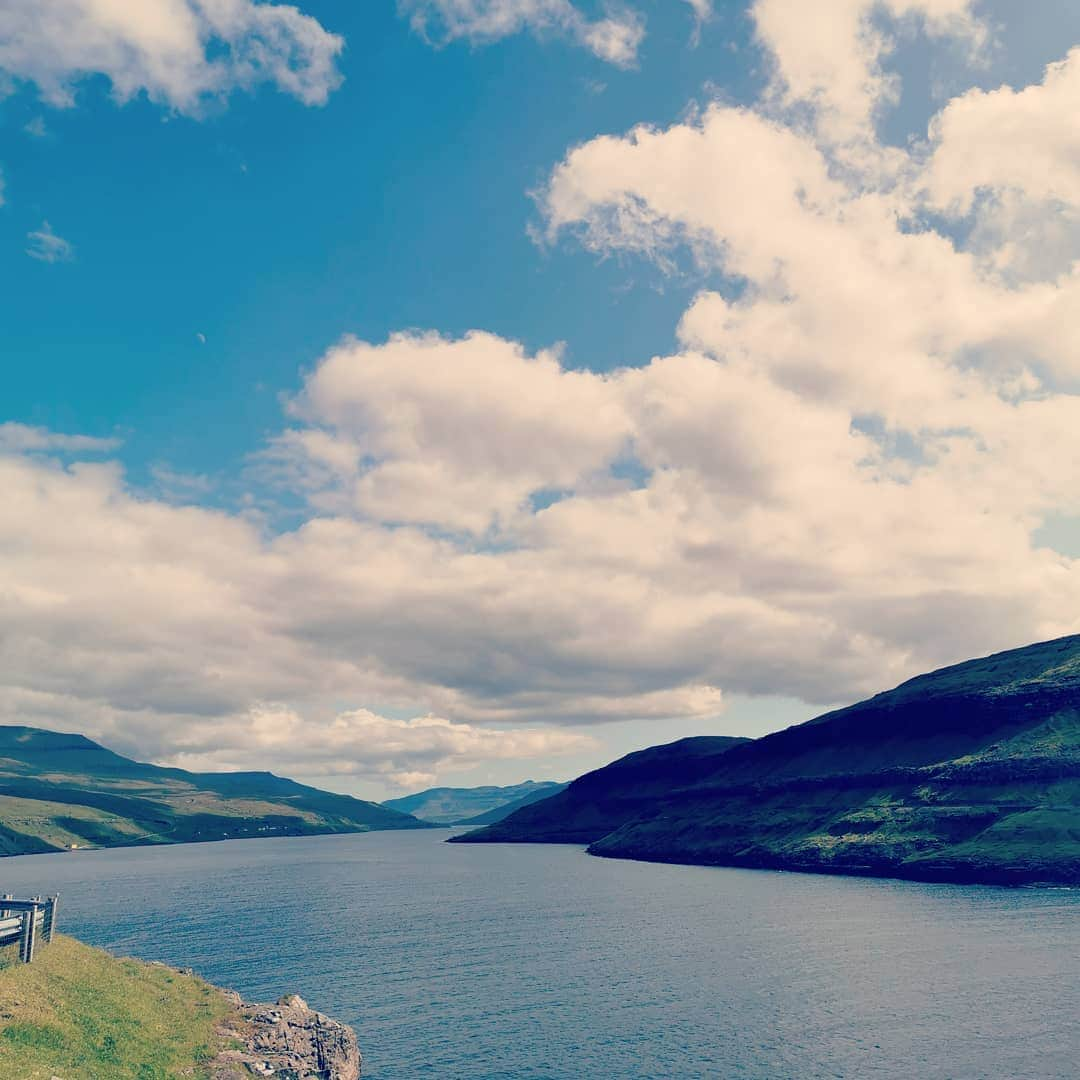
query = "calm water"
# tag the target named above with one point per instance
(531, 961)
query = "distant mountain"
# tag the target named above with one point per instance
(489, 817)
(452, 806)
(59, 791)
(971, 773)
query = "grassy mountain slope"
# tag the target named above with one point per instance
(59, 790)
(452, 806)
(79, 1012)
(601, 801)
(971, 773)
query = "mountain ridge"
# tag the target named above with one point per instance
(967, 773)
(61, 790)
(462, 805)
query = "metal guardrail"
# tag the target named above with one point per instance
(27, 922)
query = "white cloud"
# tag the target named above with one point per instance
(23, 438)
(1021, 140)
(46, 246)
(615, 38)
(828, 56)
(360, 743)
(178, 52)
(144, 622)
(453, 433)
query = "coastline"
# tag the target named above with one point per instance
(931, 874)
(288, 1039)
(79, 1011)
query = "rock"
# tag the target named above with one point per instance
(288, 1041)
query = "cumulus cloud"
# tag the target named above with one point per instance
(1011, 158)
(46, 246)
(161, 628)
(459, 434)
(359, 743)
(615, 38)
(177, 52)
(828, 57)
(1021, 140)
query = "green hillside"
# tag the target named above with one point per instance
(59, 791)
(458, 806)
(79, 1012)
(971, 773)
(599, 802)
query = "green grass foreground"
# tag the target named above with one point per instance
(78, 1013)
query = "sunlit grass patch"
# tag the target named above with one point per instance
(80, 1014)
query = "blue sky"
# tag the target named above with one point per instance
(273, 228)
(801, 429)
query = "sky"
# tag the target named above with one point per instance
(466, 391)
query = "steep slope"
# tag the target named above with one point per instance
(600, 801)
(78, 1011)
(62, 791)
(971, 773)
(453, 806)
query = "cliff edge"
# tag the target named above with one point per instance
(286, 1041)
(80, 1013)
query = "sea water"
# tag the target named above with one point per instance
(542, 962)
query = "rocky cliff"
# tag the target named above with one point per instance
(286, 1041)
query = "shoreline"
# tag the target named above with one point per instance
(77, 1010)
(940, 875)
(287, 1039)
(1005, 878)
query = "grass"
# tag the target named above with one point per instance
(46, 820)
(79, 1013)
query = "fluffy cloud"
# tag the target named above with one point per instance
(179, 52)
(828, 56)
(1007, 139)
(408, 753)
(453, 433)
(162, 628)
(615, 38)
(1011, 159)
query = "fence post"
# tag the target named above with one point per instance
(4, 913)
(49, 924)
(26, 939)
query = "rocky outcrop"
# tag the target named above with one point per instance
(286, 1041)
